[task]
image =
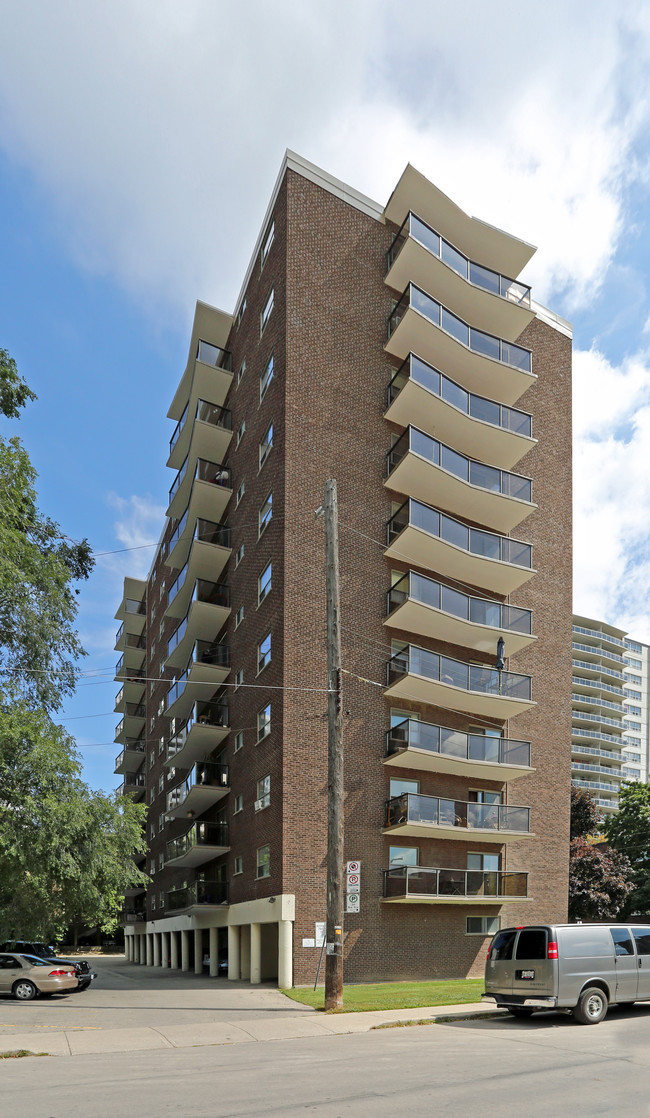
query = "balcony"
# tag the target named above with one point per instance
(475, 238)
(207, 726)
(489, 300)
(133, 682)
(598, 654)
(134, 785)
(434, 817)
(418, 465)
(479, 361)
(584, 684)
(135, 916)
(132, 722)
(428, 748)
(202, 843)
(601, 770)
(204, 432)
(420, 605)
(132, 610)
(208, 374)
(131, 757)
(200, 894)
(475, 425)
(206, 487)
(206, 784)
(207, 614)
(421, 676)
(426, 537)
(208, 666)
(132, 647)
(202, 538)
(421, 884)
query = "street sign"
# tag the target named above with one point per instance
(320, 933)
(353, 902)
(353, 867)
(353, 882)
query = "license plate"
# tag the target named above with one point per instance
(526, 974)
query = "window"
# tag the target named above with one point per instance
(161, 900)
(240, 554)
(266, 444)
(532, 944)
(239, 865)
(152, 866)
(400, 787)
(642, 937)
(162, 590)
(266, 378)
(239, 804)
(402, 856)
(266, 246)
(161, 707)
(263, 653)
(267, 311)
(153, 904)
(152, 831)
(161, 782)
(265, 513)
(239, 617)
(264, 584)
(239, 678)
(240, 313)
(503, 945)
(482, 925)
(264, 722)
(152, 793)
(240, 491)
(241, 432)
(263, 793)
(161, 861)
(622, 941)
(488, 863)
(264, 861)
(161, 823)
(239, 740)
(152, 755)
(241, 371)
(161, 746)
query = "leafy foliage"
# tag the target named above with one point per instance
(586, 819)
(629, 832)
(599, 881)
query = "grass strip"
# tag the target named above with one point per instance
(395, 995)
(19, 1052)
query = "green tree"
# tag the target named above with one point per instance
(629, 832)
(586, 818)
(65, 852)
(599, 881)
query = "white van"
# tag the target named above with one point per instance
(579, 967)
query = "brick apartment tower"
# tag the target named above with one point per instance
(384, 347)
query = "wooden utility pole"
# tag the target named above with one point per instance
(334, 927)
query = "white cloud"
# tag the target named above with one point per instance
(137, 528)
(157, 129)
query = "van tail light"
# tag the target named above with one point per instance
(488, 952)
(552, 950)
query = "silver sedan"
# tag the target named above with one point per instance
(25, 976)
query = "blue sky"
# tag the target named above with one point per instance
(138, 147)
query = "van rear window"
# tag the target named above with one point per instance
(531, 944)
(502, 945)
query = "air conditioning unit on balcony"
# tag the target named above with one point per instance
(259, 804)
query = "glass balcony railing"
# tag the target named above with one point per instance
(593, 701)
(477, 407)
(135, 916)
(204, 652)
(203, 714)
(478, 611)
(213, 355)
(591, 785)
(213, 472)
(204, 413)
(134, 605)
(599, 669)
(599, 635)
(413, 808)
(413, 734)
(487, 345)
(467, 469)
(579, 681)
(207, 531)
(469, 677)
(589, 751)
(204, 774)
(201, 834)
(135, 710)
(129, 675)
(133, 782)
(198, 893)
(476, 274)
(422, 881)
(601, 769)
(131, 640)
(595, 651)
(214, 593)
(131, 745)
(475, 541)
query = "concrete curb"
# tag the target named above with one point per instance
(80, 1042)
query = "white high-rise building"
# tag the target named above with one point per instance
(636, 739)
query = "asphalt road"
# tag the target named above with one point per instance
(128, 996)
(491, 1069)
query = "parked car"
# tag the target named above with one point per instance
(81, 967)
(578, 967)
(25, 976)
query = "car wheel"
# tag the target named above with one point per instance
(24, 990)
(591, 1007)
(519, 1011)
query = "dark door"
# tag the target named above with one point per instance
(626, 965)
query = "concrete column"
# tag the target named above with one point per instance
(285, 954)
(256, 954)
(156, 949)
(127, 948)
(143, 948)
(150, 938)
(136, 948)
(233, 952)
(198, 951)
(245, 951)
(173, 936)
(185, 950)
(214, 953)
(164, 949)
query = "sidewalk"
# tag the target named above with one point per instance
(84, 1041)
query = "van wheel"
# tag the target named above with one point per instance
(591, 1007)
(519, 1011)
